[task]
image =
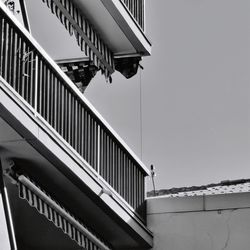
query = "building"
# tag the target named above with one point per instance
(214, 216)
(68, 181)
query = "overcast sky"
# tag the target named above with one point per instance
(195, 89)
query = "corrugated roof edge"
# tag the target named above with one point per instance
(174, 190)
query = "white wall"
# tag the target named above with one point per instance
(220, 222)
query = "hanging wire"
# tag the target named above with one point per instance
(152, 168)
(141, 125)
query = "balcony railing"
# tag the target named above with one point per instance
(136, 9)
(38, 80)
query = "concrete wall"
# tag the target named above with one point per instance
(219, 222)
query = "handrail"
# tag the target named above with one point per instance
(37, 78)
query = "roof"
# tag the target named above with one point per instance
(224, 187)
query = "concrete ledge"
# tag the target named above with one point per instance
(175, 204)
(157, 205)
(129, 26)
(227, 201)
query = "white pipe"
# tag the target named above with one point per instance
(10, 218)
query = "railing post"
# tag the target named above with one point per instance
(144, 16)
(98, 151)
(36, 85)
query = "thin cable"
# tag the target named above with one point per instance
(141, 125)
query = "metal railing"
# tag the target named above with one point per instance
(36, 78)
(137, 9)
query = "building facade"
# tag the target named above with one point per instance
(68, 181)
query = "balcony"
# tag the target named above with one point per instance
(66, 144)
(111, 34)
(122, 25)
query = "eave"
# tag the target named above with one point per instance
(117, 27)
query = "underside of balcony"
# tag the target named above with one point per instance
(118, 25)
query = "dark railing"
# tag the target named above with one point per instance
(27, 69)
(136, 8)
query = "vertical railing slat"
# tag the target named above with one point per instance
(10, 59)
(5, 45)
(136, 8)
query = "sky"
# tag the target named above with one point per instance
(195, 93)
